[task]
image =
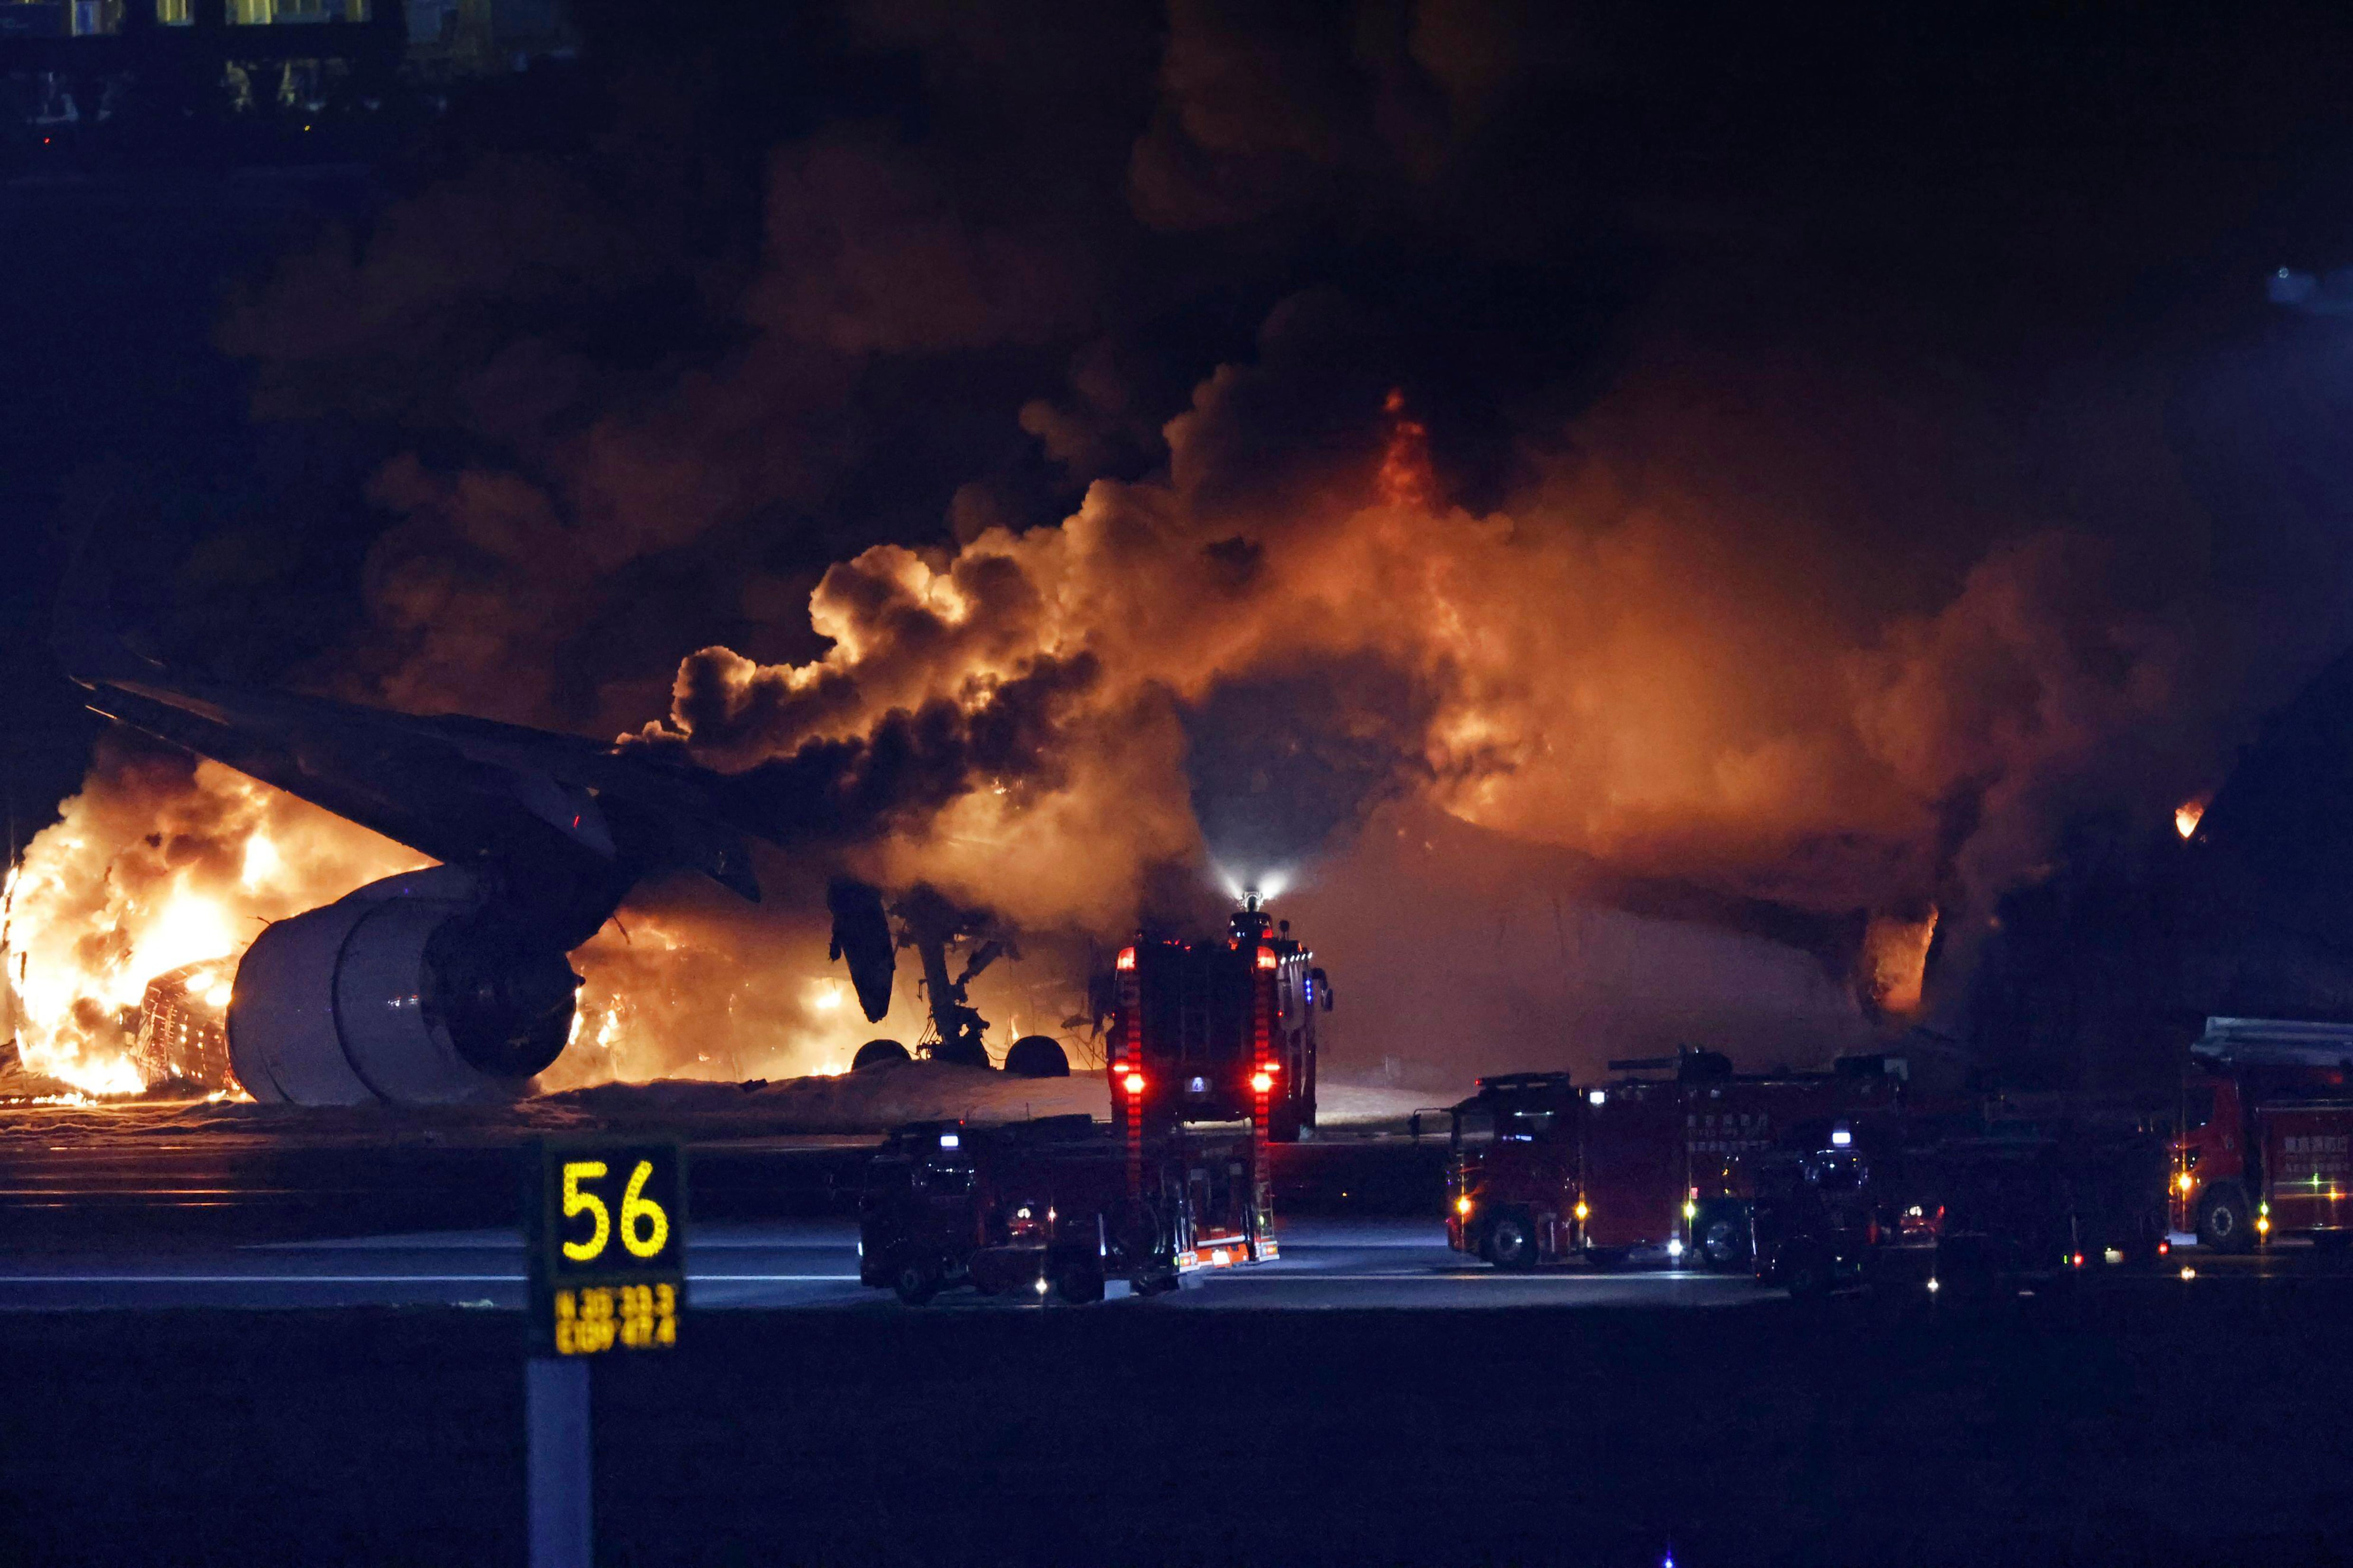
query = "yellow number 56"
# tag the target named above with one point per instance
(644, 1227)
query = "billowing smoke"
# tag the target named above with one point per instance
(1260, 442)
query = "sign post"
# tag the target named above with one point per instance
(555, 1420)
(604, 1228)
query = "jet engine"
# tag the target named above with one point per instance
(416, 990)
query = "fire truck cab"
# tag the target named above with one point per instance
(2264, 1143)
(1833, 1206)
(1514, 1180)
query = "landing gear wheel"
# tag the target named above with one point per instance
(1079, 1285)
(1037, 1056)
(917, 1282)
(1723, 1243)
(2224, 1223)
(879, 1053)
(1511, 1241)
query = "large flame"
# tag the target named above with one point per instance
(154, 866)
(157, 865)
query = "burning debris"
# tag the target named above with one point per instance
(183, 1028)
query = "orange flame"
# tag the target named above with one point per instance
(156, 868)
(1895, 961)
(151, 869)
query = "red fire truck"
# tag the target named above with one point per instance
(1219, 1031)
(2265, 1142)
(1645, 1163)
(1057, 1204)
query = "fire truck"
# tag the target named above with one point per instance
(1058, 1206)
(1212, 1055)
(2265, 1128)
(1217, 1031)
(1542, 1168)
(1969, 1198)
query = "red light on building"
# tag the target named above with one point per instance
(1128, 958)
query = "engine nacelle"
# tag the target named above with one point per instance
(413, 991)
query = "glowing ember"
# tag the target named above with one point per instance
(2187, 815)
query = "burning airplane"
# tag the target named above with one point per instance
(451, 982)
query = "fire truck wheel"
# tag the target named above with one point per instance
(917, 1282)
(1511, 1241)
(1805, 1273)
(1723, 1243)
(2139, 1246)
(1079, 1284)
(2223, 1222)
(1153, 1281)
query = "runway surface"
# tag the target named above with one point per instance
(807, 1264)
(813, 1264)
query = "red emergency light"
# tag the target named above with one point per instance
(1128, 958)
(1266, 959)
(1133, 1083)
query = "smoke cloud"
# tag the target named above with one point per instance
(1587, 523)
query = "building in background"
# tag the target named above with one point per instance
(464, 36)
